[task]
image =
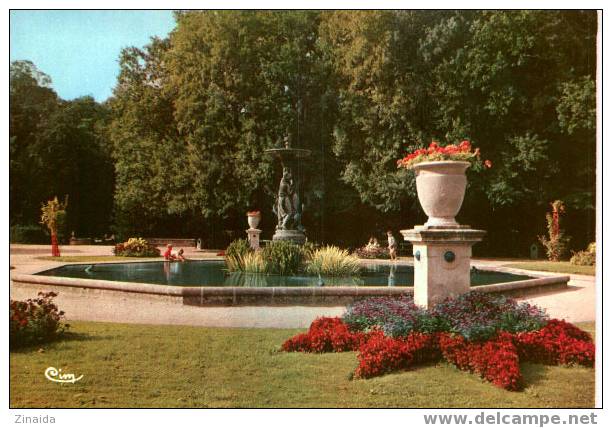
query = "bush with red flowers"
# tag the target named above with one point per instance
(495, 360)
(35, 320)
(558, 342)
(325, 335)
(488, 336)
(380, 354)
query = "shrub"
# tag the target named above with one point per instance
(585, 258)
(282, 257)
(28, 234)
(136, 247)
(234, 254)
(372, 253)
(556, 242)
(332, 261)
(35, 320)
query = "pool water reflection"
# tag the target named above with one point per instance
(213, 273)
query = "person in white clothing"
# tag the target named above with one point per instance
(392, 245)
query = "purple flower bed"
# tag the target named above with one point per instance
(476, 316)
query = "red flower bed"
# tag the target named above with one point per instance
(325, 335)
(558, 342)
(380, 354)
(496, 360)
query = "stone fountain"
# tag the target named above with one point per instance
(288, 206)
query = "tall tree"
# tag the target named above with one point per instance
(31, 101)
(152, 178)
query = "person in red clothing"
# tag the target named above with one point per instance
(168, 253)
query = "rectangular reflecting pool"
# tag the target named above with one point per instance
(213, 273)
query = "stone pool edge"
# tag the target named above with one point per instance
(286, 296)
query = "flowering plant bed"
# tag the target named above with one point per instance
(451, 152)
(372, 253)
(136, 247)
(486, 335)
(35, 320)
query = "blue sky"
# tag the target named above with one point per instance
(79, 50)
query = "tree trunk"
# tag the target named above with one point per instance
(55, 252)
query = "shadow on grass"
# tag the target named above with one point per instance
(66, 337)
(534, 374)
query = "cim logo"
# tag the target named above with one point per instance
(56, 375)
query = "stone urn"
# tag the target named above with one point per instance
(441, 188)
(253, 218)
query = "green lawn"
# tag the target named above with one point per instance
(90, 259)
(174, 366)
(560, 267)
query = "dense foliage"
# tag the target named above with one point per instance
(523, 334)
(288, 258)
(57, 147)
(192, 114)
(35, 320)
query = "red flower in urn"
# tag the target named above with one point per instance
(435, 152)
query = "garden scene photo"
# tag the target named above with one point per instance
(305, 209)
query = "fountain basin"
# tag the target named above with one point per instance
(277, 291)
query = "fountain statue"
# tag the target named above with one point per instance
(288, 206)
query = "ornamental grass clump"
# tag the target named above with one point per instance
(332, 261)
(253, 262)
(234, 254)
(282, 257)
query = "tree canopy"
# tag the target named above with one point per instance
(192, 115)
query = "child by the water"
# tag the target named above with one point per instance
(168, 253)
(392, 245)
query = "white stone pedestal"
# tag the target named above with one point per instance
(253, 236)
(441, 261)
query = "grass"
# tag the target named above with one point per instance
(87, 259)
(560, 267)
(175, 366)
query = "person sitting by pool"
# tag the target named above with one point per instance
(372, 244)
(168, 253)
(180, 257)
